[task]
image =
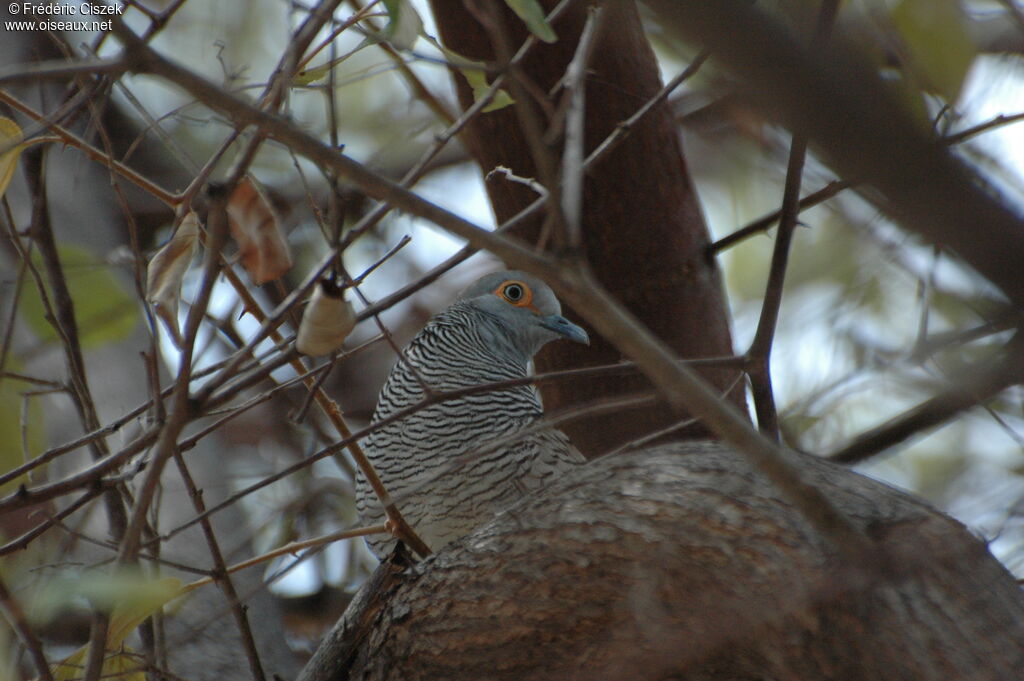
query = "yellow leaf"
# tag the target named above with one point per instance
(167, 269)
(476, 75)
(941, 49)
(11, 140)
(478, 82)
(134, 608)
(312, 75)
(131, 612)
(123, 664)
(257, 231)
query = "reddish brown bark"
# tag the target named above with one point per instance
(643, 230)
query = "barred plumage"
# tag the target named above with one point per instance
(452, 465)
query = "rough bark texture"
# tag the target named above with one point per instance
(682, 562)
(644, 234)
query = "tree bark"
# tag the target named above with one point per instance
(643, 232)
(683, 562)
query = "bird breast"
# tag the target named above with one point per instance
(453, 464)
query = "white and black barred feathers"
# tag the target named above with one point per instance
(436, 463)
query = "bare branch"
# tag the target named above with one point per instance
(969, 389)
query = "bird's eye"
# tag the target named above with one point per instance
(513, 293)
(516, 293)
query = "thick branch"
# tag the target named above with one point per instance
(862, 129)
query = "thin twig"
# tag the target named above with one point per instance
(15, 298)
(180, 412)
(997, 122)
(760, 350)
(835, 187)
(73, 140)
(293, 548)
(574, 152)
(937, 342)
(13, 375)
(59, 69)
(419, 89)
(20, 543)
(969, 389)
(91, 475)
(764, 223)
(761, 347)
(19, 623)
(112, 546)
(97, 645)
(220, 573)
(528, 105)
(623, 129)
(648, 438)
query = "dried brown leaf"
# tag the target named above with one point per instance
(167, 269)
(256, 229)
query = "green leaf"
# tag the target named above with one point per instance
(478, 82)
(311, 75)
(126, 593)
(404, 25)
(475, 74)
(104, 310)
(532, 15)
(941, 50)
(131, 598)
(403, 30)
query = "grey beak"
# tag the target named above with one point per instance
(564, 327)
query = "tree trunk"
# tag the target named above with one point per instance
(643, 232)
(683, 562)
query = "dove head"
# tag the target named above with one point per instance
(521, 310)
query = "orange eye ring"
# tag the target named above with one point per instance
(515, 293)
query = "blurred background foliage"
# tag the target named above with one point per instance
(873, 321)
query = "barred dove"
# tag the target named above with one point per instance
(454, 464)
